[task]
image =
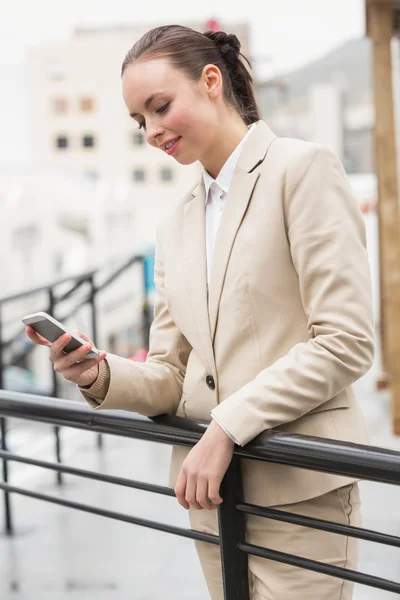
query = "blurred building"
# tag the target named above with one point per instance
(88, 191)
(80, 124)
(330, 101)
(51, 231)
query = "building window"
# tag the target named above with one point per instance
(56, 70)
(87, 104)
(60, 106)
(138, 138)
(62, 142)
(92, 175)
(166, 174)
(139, 175)
(88, 141)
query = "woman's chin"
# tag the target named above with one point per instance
(186, 160)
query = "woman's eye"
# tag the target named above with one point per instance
(163, 108)
(142, 125)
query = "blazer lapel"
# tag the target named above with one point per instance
(195, 266)
(235, 206)
(205, 306)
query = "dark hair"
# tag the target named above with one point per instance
(190, 51)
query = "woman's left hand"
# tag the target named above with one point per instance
(203, 470)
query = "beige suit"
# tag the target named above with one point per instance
(287, 325)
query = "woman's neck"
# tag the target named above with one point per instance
(225, 141)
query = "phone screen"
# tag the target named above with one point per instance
(52, 332)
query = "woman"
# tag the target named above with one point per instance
(263, 310)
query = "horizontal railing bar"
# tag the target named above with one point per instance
(45, 287)
(137, 258)
(79, 415)
(87, 297)
(318, 454)
(319, 567)
(180, 531)
(99, 288)
(329, 456)
(78, 279)
(23, 353)
(61, 468)
(73, 289)
(348, 530)
(91, 294)
(16, 358)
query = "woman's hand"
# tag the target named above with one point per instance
(203, 470)
(71, 366)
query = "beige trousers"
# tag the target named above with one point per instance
(271, 580)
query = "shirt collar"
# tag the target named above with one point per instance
(225, 176)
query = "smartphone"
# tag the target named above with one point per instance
(51, 329)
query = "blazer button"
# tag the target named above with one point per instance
(210, 382)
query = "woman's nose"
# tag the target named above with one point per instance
(153, 134)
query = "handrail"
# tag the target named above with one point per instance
(329, 456)
(318, 454)
(76, 282)
(84, 275)
(79, 278)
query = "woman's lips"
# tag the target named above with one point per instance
(173, 147)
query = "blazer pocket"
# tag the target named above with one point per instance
(340, 401)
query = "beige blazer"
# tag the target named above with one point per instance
(287, 325)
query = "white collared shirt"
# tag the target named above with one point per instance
(216, 191)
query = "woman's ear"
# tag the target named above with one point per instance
(212, 79)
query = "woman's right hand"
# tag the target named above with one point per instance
(71, 366)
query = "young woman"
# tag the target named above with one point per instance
(263, 310)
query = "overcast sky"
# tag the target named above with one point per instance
(291, 32)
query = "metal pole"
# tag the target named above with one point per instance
(380, 18)
(55, 393)
(3, 429)
(93, 307)
(146, 323)
(231, 533)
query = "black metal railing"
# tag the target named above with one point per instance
(76, 290)
(330, 456)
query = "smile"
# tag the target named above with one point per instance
(172, 146)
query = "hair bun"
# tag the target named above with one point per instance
(227, 43)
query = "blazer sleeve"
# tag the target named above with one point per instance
(155, 386)
(326, 233)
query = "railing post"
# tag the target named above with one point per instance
(93, 307)
(55, 393)
(146, 316)
(232, 532)
(3, 430)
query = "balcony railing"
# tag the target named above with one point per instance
(330, 456)
(83, 289)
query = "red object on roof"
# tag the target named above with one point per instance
(213, 25)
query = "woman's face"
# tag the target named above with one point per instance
(176, 114)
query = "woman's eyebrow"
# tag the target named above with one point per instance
(147, 103)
